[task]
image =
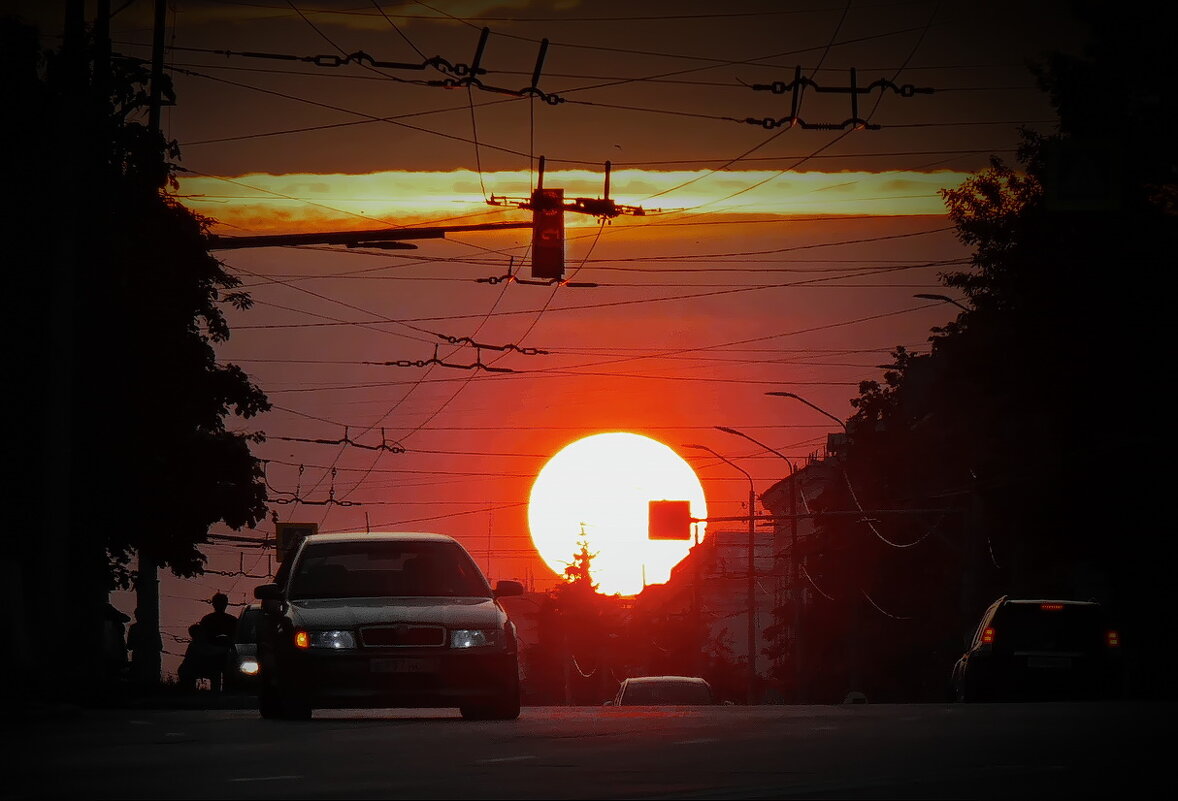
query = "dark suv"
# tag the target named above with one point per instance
(1040, 649)
(385, 620)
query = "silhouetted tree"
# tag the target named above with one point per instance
(1030, 413)
(122, 436)
(578, 574)
(582, 639)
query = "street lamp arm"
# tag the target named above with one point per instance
(760, 444)
(811, 405)
(943, 298)
(721, 458)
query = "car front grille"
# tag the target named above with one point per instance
(403, 635)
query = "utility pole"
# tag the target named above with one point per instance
(752, 600)
(49, 590)
(854, 646)
(697, 632)
(157, 66)
(750, 690)
(147, 585)
(794, 595)
(795, 590)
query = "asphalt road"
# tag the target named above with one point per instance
(855, 751)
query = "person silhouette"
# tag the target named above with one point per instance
(219, 623)
(217, 629)
(192, 667)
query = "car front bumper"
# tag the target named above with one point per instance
(375, 677)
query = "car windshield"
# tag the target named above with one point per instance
(1030, 627)
(666, 692)
(383, 568)
(247, 626)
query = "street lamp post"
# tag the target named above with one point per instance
(854, 643)
(752, 579)
(794, 594)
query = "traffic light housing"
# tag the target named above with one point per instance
(548, 234)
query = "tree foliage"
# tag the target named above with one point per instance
(582, 645)
(122, 307)
(1030, 411)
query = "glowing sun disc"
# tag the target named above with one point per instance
(598, 489)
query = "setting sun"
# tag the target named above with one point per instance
(598, 489)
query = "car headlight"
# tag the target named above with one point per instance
(474, 638)
(326, 639)
(249, 667)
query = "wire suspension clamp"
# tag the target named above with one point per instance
(801, 82)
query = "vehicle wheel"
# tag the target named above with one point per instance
(296, 707)
(275, 705)
(505, 707)
(268, 702)
(969, 691)
(957, 689)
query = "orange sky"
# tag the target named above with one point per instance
(803, 282)
(265, 203)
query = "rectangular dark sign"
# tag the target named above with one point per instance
(670, 520)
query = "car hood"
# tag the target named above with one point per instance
(354, 612)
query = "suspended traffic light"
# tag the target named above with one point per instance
(548, 234)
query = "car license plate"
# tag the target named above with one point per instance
(1049, 662)
(404, 665)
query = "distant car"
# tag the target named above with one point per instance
(1040, 649)
(663, 691)
(241, 669)
(386, 620)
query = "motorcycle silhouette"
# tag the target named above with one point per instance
(206, 658)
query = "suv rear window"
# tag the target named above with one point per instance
(382, 569)
(1029, 627)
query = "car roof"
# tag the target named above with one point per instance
(1048, 601)
(666, 680)
(381, 536)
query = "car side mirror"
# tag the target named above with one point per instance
(271, 597)
(505, 589)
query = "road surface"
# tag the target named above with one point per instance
(851, 751)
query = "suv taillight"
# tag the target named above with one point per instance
(1112, 639)
(988, 635)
